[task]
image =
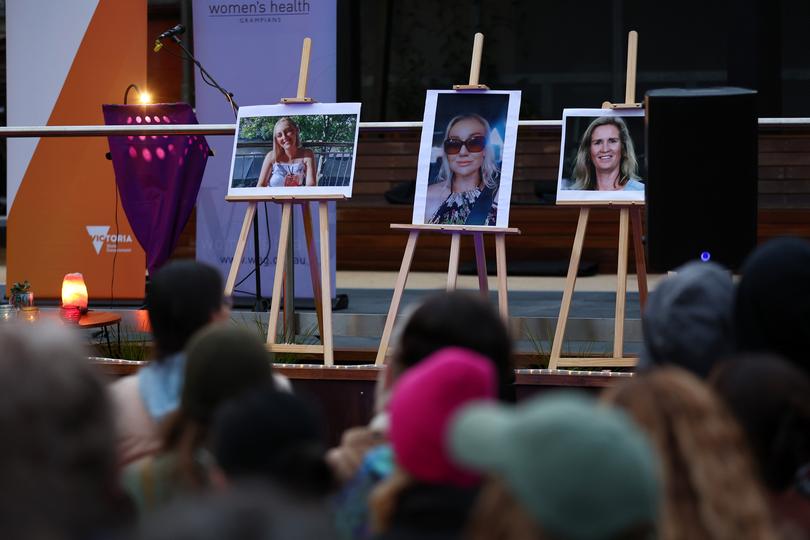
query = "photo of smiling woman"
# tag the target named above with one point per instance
(288, 164)
(601, 158)
(606, 159)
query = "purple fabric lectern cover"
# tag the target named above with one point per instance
(158, 176)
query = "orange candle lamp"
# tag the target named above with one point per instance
(74, 297)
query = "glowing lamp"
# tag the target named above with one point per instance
(74, 292)
(144, 98)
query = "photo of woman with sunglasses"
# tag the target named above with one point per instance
(466, 158)
(465, 191)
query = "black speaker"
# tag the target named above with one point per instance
(701, 192)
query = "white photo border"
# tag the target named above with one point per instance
(295, 109)
(507, 161)
(573, 196)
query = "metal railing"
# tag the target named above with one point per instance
(229, 129)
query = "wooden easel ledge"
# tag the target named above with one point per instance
(475, 66)
(630, 88)
(301, 96)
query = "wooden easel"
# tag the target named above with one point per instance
(629, 212)
(321, 282)
(455, 232)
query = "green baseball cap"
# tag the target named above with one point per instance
(584, 471)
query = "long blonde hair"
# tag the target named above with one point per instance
(711, 488)
(489, 169)
(277, 151)
(584, 173)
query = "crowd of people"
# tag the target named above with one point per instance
(710, 439)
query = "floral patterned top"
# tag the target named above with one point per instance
(457, 207)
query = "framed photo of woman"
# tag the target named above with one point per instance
(602, 156)
(466, 158)
(295, 149)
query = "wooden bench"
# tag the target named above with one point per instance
(386, 159)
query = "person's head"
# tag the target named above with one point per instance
(457, 319)
(272, 436)
(424, 401)
(770, 398)
(576, 470)
(704, 457)
(286, 136)
(57, 457)
(688, 319)
(605, 147)
(467, 149)
(223, 362)
(181, 298)
(772, 309)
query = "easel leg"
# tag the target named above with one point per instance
(568, 292)
(240, 248)
(621, 285)
(481, 263)
(500, 266)
(399, 288)
(284, 231)
(452, 268)
(312, 255)
(638, 248)
(326, 285)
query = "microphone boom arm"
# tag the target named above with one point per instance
(204, 74)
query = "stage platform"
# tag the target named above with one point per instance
(346, 391)
(534, 305)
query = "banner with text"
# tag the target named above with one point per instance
(64, 60)
(253, 49)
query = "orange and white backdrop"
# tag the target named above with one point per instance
(64, 60)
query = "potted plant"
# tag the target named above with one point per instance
(21, 295)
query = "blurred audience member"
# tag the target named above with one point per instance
(223, 362)
(57, 457)
(561, 467)
(428, 496)
(688, 319)
(455, 319)
(241, 513)
(182, 297)
(771, 399)
(772, 311)
(272, 436)
(711, 488)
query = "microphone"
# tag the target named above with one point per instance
(172, 32)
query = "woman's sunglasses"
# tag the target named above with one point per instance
(476, 143)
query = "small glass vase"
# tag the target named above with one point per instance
(22, 300)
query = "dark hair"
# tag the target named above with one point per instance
(274, 436)
(770, 398)
(223, 362)
(771, 311)
(182, 297)
(57, 458)
(460, 319)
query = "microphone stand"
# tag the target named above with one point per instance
(260, 303)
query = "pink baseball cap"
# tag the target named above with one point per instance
(424, 400)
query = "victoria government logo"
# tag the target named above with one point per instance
(111, 243)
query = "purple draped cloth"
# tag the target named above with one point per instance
(158, 176)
